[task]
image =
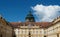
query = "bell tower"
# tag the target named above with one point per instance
(30, 17)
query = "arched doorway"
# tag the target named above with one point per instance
(29, 34)
(44, 36)
(0, 35)
(14, 35)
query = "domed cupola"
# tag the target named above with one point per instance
(30, 17)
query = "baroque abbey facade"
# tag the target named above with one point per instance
(30, 28)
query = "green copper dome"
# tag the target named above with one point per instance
(30, 17)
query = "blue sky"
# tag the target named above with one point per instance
(16, 10)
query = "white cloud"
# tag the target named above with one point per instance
(46, 13)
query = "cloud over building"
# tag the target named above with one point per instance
(46, 13)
